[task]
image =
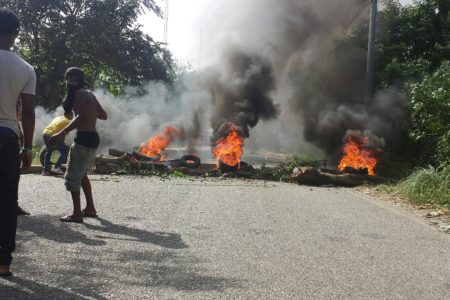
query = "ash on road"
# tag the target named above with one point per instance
(222, 239)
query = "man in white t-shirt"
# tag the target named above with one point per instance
(17, 83)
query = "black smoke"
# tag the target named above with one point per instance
(325, 71)
(241, 93)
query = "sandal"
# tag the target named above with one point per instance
(70, 219)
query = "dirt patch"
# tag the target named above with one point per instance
(438, 218)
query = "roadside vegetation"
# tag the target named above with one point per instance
(426, 186)
(413, 55)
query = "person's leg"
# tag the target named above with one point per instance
(9, 184)
(20, 211)
(77, 215)
(87, 189)
(48, 154)
(72, 182)
(63, 150)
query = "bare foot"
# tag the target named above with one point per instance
(90, 213)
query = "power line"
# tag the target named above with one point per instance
(363, 6)
(166, 22)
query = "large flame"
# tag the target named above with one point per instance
(357, 156)
(159, 142)
(230, 149)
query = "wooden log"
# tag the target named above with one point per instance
(312, 176)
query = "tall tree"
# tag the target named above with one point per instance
(101, 37)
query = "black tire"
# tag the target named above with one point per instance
(191, 161)
(42, 153)
(142, 157)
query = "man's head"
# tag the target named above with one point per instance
(9, 27)
(75, 76)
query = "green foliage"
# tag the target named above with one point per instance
(412, 40)
(178, 174)
(101, 37)
(426, 186)
(430, 118)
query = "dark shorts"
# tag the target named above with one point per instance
(81, 159)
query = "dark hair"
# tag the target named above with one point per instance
(9, 23)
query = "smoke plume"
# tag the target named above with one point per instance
(282, 71)
(241, 93)
(319, 75)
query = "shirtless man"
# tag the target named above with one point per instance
(86, 110)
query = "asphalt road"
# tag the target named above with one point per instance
(223, 239)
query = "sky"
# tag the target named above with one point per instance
(187, 27)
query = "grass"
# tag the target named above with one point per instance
(36, 151)
(426, 186)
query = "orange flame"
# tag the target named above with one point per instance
(357, 157)
(159, 142)
(230, 149)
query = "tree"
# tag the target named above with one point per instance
(430, 118)
(413, 40)
(101, 37)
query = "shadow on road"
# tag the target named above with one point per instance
(21, 288)
(169, 269)
(107, 267)
(163, 239)
(50, 228)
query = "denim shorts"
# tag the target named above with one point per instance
(80, 162)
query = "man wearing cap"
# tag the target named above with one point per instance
(86, 110)
(17, 83)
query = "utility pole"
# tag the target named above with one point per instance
(166, 23)
(370, 71)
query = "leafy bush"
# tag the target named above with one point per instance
(430, 118)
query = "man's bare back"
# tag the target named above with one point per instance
(87, 109)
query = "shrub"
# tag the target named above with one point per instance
(430, 117)
(426, 186)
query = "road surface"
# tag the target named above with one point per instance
(223, 239)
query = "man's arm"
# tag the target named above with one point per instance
(28, 121)
(101, 113)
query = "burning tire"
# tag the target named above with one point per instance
(142, 157)
(191, 161)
